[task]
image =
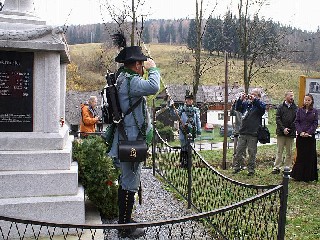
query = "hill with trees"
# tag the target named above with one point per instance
(190, 51)
(220, 35)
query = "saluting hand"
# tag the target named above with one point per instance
(149, 64)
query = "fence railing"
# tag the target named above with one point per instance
(205, 189)
(223, 220)
(227, 209)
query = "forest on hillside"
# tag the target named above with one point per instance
(220, 35)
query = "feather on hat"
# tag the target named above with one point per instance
(127, 54)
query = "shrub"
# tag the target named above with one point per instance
(165, 132)
(97, 174)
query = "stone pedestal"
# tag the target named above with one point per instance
(38, 179)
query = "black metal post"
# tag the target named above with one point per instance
(283, 204)
(154, 141)
(189, 155)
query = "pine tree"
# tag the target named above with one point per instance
(192, 35)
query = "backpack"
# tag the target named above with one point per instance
(263, 133)
(111, 111)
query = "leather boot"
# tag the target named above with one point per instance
(126, 203)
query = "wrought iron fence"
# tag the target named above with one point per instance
(226, 222)
(227, 209)
(205, 189)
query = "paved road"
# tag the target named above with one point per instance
(209, 145)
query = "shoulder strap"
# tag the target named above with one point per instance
(133, 106)
(121, 123)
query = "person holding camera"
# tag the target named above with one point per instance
(132, 88)
(286, 131)
(89, 117)
(189, 116)
(252, 109)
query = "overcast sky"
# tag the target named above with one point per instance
(303, 14)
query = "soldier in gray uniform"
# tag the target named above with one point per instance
(131, 87)
(189, 124)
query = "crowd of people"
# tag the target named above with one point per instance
(132, 85)
(292, 123)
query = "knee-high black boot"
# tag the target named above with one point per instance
(126, 202)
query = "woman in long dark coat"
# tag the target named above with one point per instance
(305, 166)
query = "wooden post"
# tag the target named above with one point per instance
(225, 116)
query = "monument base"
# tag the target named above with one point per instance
(57, 209)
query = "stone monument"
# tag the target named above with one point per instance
(39, 180)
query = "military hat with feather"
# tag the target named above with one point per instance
(127, 54)
(188, 95)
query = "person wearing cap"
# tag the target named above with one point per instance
(189, 124)
(131, 87)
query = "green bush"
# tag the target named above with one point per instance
(97, 174)
(165, 132)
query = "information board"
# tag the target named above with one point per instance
(310, 85)
(16, 91)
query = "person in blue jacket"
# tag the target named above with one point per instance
(131, 87)
(252, 109)
(189, 123)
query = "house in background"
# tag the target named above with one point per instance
(210, 101)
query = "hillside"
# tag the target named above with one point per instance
(90, 63)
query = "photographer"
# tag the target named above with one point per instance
(89, 117)
(252, 109)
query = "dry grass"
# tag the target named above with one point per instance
(176, 65)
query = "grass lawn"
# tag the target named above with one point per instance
(303, 213)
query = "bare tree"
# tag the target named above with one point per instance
(201, 64)
(259, 43)
(126, 13)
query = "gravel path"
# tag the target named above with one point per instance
(159, 205)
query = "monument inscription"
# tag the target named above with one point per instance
(16, 91)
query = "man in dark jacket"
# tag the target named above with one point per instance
(252, 109)
(286, 131)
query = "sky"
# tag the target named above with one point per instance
(303, 14)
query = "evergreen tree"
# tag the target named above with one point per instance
(97, 35)
(168, 33)
(208, 38)
(162, 34)
(173, 34)
(146, 35)
(213, 39)
(181, 33)
(192, 35)
(228, 33)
